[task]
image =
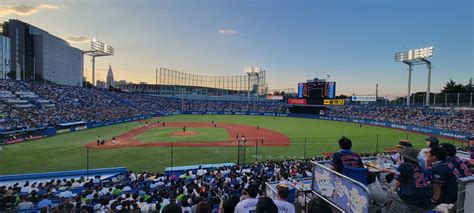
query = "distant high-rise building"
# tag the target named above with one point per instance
(110, 77)
(37, 55)
(4, 57)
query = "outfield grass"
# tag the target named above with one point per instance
(309, 137)
(163, 134)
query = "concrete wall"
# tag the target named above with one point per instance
(59, 63)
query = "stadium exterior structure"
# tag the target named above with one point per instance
(171, 83)
(190, 92)
(36, 55)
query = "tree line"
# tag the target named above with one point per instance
(454, 87)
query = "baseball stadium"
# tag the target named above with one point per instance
(184, 141)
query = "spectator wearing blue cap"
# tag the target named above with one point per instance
(431, 142)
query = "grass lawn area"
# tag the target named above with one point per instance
(163, 134)
(309, 137)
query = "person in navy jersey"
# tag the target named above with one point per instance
(471, 146)
(444, 177)
(345, 157)
(411, 191)
(454, 161)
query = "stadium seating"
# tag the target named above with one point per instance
(32, 105)
(133, 191)
(447, 119)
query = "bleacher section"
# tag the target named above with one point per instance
(32, 105)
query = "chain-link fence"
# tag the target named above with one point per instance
(15, 159)
(438, 99)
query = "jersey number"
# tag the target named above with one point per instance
(419, 180)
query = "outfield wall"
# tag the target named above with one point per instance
(411, 128)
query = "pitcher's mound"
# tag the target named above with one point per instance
(187, 133)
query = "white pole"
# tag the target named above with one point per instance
(93, 71)
(445, 99)
(470, 101)
(376, 91)
(458, 100)
(428, 64)
(409, 84)
(248, 87)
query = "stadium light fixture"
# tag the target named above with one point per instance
(416, 57)
(98, 49)
(101, 47)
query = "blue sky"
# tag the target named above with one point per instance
(351, 40)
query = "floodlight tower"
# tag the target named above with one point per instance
(416, 57)
(253, 73)
(98, 49)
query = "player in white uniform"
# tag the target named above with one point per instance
(249, 204)
(281, 202)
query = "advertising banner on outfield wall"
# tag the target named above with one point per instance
(368, 98)
(296, 101)
(274, 97)
(334, 102)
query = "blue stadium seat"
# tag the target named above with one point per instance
(358, 174)
(34, 210)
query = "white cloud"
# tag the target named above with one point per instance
(25, 10)
(48, 6)
(227, 31)
(77, 39)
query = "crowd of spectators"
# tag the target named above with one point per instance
(70, 104)
(217, 189)
(234, 106)
(447, 119)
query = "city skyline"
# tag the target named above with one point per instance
(353, 42)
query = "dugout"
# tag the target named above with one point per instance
(71, 126)
(16, 136)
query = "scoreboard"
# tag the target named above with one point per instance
(316, 92)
